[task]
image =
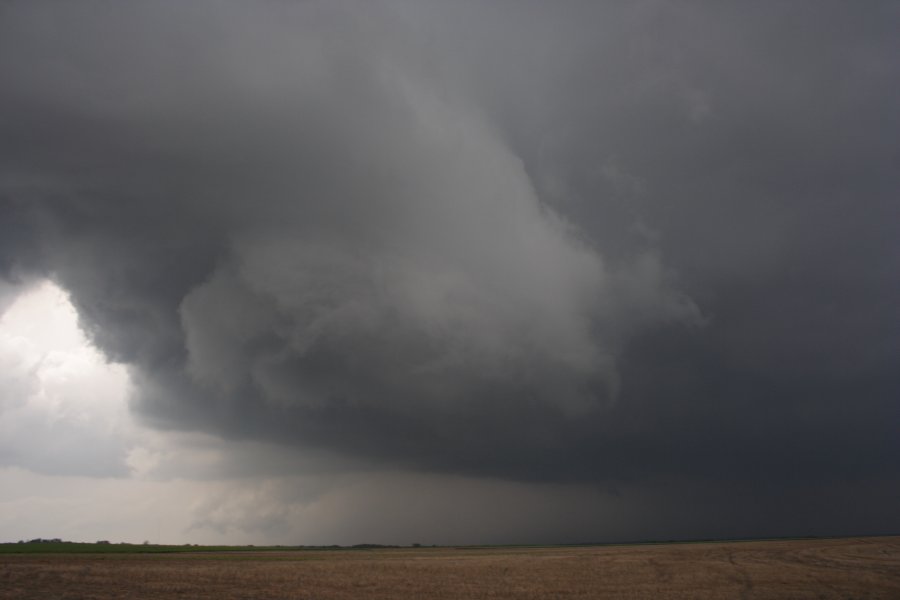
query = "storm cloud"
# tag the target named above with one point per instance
(606, 245)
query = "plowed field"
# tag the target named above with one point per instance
(839, 568)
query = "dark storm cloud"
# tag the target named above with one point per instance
(592, 243)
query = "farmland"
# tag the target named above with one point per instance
(824, 568)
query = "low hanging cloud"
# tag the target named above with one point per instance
(329, 249)
(609, 244)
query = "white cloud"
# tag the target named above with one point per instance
(62, 406)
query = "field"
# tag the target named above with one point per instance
(828, 568)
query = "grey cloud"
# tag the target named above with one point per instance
(405, 508)
(590, 244)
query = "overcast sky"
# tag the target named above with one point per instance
(449, 272)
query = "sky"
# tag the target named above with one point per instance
(403, 271)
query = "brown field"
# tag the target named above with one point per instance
(840, 568)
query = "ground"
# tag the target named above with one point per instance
(833, 568)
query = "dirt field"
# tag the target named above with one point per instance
(844, 568)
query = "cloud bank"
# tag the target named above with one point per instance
(604, 245)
